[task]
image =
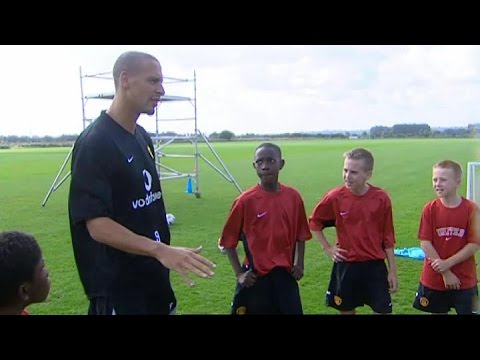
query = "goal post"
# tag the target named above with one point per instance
(473, 181)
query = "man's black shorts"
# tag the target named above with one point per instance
(131, 305)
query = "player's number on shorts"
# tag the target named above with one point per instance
(157, 236)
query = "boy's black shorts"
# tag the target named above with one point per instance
(440, 302)
(354, 284)
(275, 293)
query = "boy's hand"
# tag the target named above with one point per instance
(247, 278)
(336, 253)
(451, 281)
(439, 265)
(392, 281)
(297, 272)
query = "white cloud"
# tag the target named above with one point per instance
(261, 89)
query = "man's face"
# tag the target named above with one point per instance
(144, 87)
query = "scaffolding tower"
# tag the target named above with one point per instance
(161, 142)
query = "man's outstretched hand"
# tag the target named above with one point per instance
(184, 260)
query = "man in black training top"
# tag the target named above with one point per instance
(120, 235)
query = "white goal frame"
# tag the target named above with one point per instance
(471, 190)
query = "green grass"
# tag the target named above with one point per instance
(402, 167)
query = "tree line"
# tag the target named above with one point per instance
(376, 132)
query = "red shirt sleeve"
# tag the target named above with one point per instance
(322, 214)
(303, 230)
(389, 233)
(233, 226)
(425, 230)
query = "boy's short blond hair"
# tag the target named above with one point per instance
(450, 164)
(361, 154)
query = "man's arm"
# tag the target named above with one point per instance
(179, 259)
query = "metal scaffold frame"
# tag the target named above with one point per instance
(160, 142)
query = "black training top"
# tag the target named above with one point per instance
(114, 175)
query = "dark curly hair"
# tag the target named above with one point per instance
(272, 146)
(19, 255)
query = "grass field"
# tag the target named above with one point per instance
(402, 168)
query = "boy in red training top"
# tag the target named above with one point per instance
(270, 219)
(24, 279)
(362, 216)
(447, 236)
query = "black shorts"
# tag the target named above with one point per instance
(354, 284)
(275, 293)
(132, 305)
(100, 306)
(440, 302)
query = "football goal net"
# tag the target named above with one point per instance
(473, 181)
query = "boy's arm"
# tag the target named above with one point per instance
(392, 270)
(389, 244)
(303, 234)
(425, 234)
(247, 278)
(466, 252)
(429, 250)
(297, 270)
(234, 261)
(444, 265)
(450, 280)
(334, 252)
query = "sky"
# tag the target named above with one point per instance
(262, 89)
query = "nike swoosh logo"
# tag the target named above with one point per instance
(261, 215)
(343, 213)
(130, 159)
(448, 238)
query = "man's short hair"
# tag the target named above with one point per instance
(129, 61)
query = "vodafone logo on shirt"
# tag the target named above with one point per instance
(148, 180)
(150, 197)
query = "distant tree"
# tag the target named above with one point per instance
(409, 130)
(213, 135)
(226, 135)
(380, 132)
(473, 129)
